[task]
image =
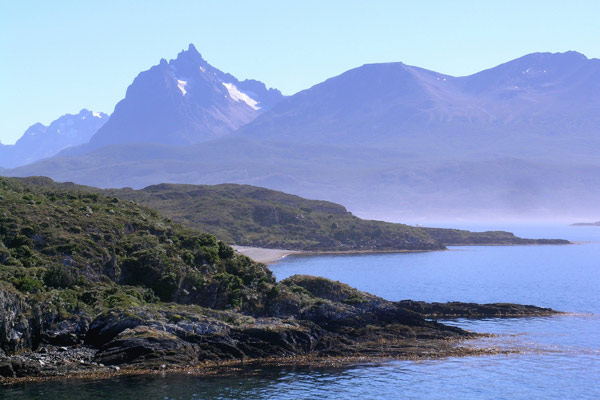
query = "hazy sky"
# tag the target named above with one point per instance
(59, 56)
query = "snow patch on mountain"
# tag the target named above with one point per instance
(236, 95)
(181, 85)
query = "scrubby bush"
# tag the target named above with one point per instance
(28, 284)
(230, 285)
(69, 243)
(60, 277)
(165, 287)
(225, 251)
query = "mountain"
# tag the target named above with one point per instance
(39, 141)
(392, 141)
(184, 101)
(535, 106)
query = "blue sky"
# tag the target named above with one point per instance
(57, 57)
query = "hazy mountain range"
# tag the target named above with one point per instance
(40, 141)
(386, 140)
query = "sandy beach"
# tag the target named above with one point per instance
(264, 255)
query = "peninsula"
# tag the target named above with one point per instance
(251, 216)
(94, 284)
(586, 224)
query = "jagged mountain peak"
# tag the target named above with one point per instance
(190, 62)
(192, 49)
(184, 101)
(191, 54)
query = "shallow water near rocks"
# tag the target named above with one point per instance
(559, 357)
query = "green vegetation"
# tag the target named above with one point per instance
(91, 251)
(252, 216)
(459, 237)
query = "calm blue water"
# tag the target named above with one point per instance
(560, 356)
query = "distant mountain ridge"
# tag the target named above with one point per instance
(391, 140)
(540, 99)
(40, 141)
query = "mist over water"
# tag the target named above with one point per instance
(559, 357)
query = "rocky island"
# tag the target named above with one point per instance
(96, 284)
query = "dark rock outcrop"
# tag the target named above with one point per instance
(15, 328)
(474, 310)
(321, 318)
(146, 345)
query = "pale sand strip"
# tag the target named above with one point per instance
(264, 255)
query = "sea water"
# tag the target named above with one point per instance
(554, 357)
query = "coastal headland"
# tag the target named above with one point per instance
(93, 284)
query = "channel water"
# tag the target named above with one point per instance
(551, 357)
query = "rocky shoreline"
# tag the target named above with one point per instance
(344, 326)
(77, 367)
(96, 285)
